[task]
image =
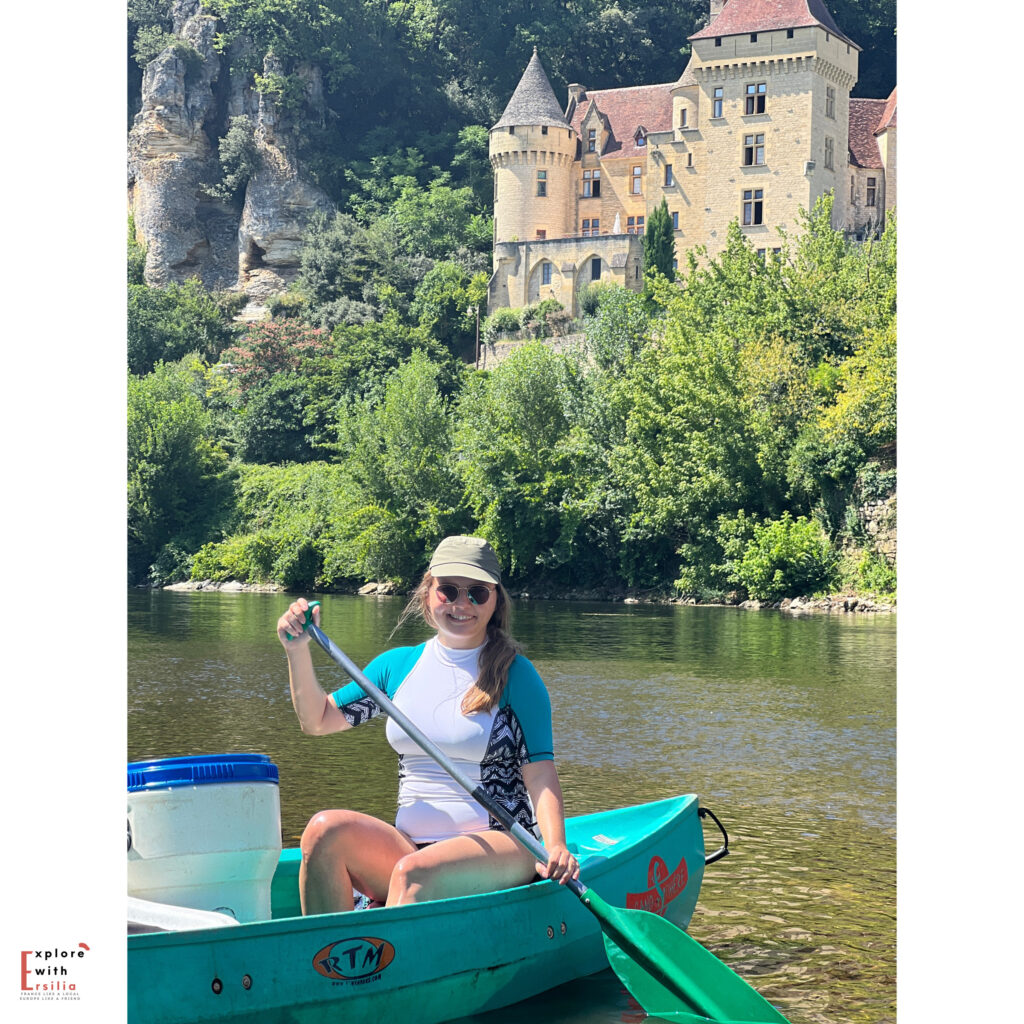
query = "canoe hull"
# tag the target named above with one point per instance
(429, 962)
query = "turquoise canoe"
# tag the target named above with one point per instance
(429, 962)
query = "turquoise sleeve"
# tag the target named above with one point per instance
(387, 670)
(528, 697)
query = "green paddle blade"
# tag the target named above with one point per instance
(671, 975)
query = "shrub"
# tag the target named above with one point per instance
(590, 296)
(287, 306)
(501, 321)
(785, 558)
(136, 255)
(239, 161)
(875, 573)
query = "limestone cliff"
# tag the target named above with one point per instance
(187, 100)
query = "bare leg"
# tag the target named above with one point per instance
(480, 862)
(342, 849)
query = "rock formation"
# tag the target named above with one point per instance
(187, 102)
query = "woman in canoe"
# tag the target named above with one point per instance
(470, 691)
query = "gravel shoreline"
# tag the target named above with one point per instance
(833, 604)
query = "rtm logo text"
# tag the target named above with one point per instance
(49, 964)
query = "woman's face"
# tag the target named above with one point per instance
(461, 624)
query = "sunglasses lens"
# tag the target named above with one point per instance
(479, 595)
(448, 591)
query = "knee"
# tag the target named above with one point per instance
(409, 875)
(326, 830)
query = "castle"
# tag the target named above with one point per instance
(759, 125)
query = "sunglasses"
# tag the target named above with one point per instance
(478, 593)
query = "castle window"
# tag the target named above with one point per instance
(641, 140)
(718, 40)
(683, 117)
(634, 225)
(591, 227)
(542, 183)
(543, 129)
(592, 140)
(871, 192)
(545, 273)
(541, 234)
(637, 185)
(595, 269)
(591, 184)
(755, 98)
(689, 159)
(753, 37)
(789, 33)
(669, 179)
(675, 220)
(830, 102)
(829, 153)
(675, 263)
(753, 206)
(716, 105)
(753, 150)
(511, 129)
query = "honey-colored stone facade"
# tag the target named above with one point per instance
(711, 159)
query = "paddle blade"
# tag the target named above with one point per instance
(668, 973)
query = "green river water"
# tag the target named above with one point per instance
(785, 726)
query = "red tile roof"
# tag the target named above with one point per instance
(888, 118)
(626, 110)
(741, 16)
(864, 120)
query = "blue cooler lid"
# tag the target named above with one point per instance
(167, 772)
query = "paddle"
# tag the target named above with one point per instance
(665, 970)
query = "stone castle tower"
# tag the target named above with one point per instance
(757, 127)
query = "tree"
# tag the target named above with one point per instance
(405, 492)
(516, 455)
(177, 473)
(164, 324)
(660, 242)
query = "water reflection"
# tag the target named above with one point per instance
(783, 725)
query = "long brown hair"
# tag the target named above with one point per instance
(499, 651)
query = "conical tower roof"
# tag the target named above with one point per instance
(534, 100)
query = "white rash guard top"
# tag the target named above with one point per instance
(427, 683)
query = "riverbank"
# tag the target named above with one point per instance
(832, 604)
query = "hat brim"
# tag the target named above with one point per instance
(470, 572)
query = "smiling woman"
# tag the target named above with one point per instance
(471, 691)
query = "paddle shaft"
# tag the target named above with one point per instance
(475, 790)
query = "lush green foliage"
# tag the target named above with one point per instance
(165, 324)
(176, 471)
(239, 160)
(718, 435)
(785, 557)
(136, 255)
(660, 242)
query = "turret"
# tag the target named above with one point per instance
(532, 149)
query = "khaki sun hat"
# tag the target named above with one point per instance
(471, 557)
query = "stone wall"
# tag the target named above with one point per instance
(879, 520)
(493, 353)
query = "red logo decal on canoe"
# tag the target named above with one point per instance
(357, 960)
(663, 887)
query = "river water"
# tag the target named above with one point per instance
(784, 726)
